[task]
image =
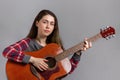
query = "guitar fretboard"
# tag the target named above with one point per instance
(75, 48)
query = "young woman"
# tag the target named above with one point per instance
(44, 30)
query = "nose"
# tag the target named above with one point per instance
(48, 26)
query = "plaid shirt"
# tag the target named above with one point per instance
(16, 52)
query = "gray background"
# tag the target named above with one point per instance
(77, 19)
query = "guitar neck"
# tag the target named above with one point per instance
(76, 48)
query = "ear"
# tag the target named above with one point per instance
(36, 23)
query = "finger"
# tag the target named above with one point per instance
(45, 60)
(85, 41)
(39, 67)
(45, 63)
(83, 49)
(86, 45)
(90, 44)
(43, 67)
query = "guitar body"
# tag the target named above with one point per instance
(20, 71)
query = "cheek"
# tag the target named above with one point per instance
(40, 29)
(52, 28)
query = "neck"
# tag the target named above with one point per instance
(41, 40)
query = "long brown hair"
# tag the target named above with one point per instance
(54, 37)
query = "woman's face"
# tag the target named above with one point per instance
(45, 25)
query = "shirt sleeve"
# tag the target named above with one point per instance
(15, 51)
(74, 61)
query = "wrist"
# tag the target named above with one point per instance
(79, 52)
(31, 59)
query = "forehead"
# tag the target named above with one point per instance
(48, 17)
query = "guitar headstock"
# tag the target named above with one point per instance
(107, 32)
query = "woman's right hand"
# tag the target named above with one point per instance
(40, 63)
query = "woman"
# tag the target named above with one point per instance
(44, 30)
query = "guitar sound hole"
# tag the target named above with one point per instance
(51, 62)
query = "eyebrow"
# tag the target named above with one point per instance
(48, 21)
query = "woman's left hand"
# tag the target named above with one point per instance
(86, 45)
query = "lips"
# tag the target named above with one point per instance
(47, 31)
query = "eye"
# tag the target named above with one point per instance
(52, 23)
(44, 21)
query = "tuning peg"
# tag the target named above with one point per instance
(107, 27)
(106, 38)
(113, 35)
(109, 37)
(103, 28)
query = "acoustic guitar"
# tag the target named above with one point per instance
(59, 64)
